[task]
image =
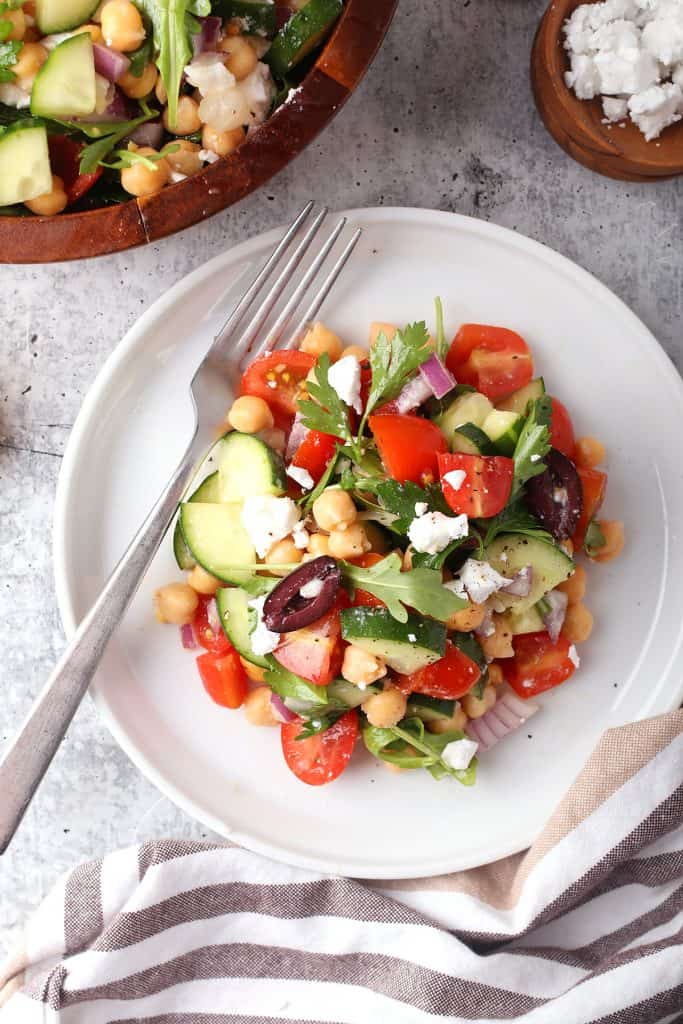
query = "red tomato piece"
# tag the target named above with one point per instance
(224, 678)
(494, 360)
(323, 757)
(278, 379)
(561, 428)
(207, 636)
(448, 678)
(362, 599)
(594, 484)
(65, 155)
(315, 653)
(408, 446)
(486, 488)
(315, 452)
(538, 664)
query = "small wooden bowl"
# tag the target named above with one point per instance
(336, 73)
(615, 150)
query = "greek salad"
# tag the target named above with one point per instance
(101, 101)
(389, 548)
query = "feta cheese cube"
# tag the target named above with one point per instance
(656, 108)
(480, 580)
(268, 519)
(455, 478)
(433, 532)
(263, 641)
(614, 110)
(459, 754)
(344, 377)
(301, 476)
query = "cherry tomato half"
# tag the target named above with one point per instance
(494, 360)
(65, 156)
(321, 758)
(486, 488)
(538, 664)
(224, 678)
(315, 452)
(361, 598)
(561, 429)
(594, 484)
(278, 379)
(408, 446)
(210, 639)
(315, 652)
(448, 678)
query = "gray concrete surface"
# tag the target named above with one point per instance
(444, 119)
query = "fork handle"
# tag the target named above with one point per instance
(32, 749)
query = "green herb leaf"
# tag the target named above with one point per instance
(130, 157)
(320, 722)
(307, 500)
(594, 540)
(533, 444)
(393, 362)
(108, 136)
(400, 499)
(324, 410)
(9, 53)
(515, 518)
(421, 589)
(408, 745)
(299, 693)
(140, 58)
(422, 560)
(441, 343)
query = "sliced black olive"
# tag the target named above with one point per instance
(556, 496)
(286, 609)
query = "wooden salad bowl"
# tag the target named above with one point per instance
(339, 68)
(615, 150)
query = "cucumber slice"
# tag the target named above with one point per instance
(430, 709)
(302, 33)
(529, 621)
(257, 18)
(504, 429)
(518, 401)
(472, 440)
(65, 85)
(63, 15)
(405, 646)
(216, 538)
(207, 491)
(247, 466)
(239, 621)
(514, 551)
(472, 407)
(24, 163)
(340, 691)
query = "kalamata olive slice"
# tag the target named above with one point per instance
(286, 608)
(556, 496)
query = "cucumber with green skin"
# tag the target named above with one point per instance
(430, 709)
(247, 466)
(513, 551)
(63, 15)
(65, 85)
(470, 407)
(503, 429)
(529, 621)
(217, 539)
(519, 400)
(303, 32)
(239, 621)
(24, 163)
(471, 440)
(404, 646)
(340, 691)
(207, 491)
(257, 18)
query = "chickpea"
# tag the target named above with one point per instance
(356, 351)
(589, 452)
(568, 547)
(378, 328)
(94, 31)
(175, 603)
(376, 537)
(496, 676)
(613, 532)
(349, 543)
(499, 644)
(139, 180)
(285, 552)
(457, 721)
(334, 510)
(242, 57)
(467, 619)
(18, 23)
(32, 56)
(202, 581)
(185, 159)
(222, 143)
(475, 707)
(50, 203)
(578, 624)
(32, 34)
(249, 414)
(187, 118)
(138, 86)
(160, 91)
(122, 26)
(318, 544)
(386, 708)
(254, 672)
(575, 586)
(257, 707)
(361, 667)
(319, 339)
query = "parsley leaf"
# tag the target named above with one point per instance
(129, 157)
(533, 445)
(515, 518)
(594, 539)
(325, 411)
(400, 499)
(441, 343)
(9, 54)
(307, 500)
(408, 745)
(108, 136)
(421, 589)
(393, 362)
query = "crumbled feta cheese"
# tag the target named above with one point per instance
(627, 72)
(301, 476)
(583, 77)
(459, 753)
(311, 589)
(455, 478)
(258, 90)
(656, 108)
(434, 531)
(208, 156)
(535, 457)
(457, 587)
(224, 109)
(177, 176)
(574, 656)
(663, 38)
(12, 96)
(614, 110)
(420, 508)
(262, 640)
(300, 536)
(268, 519)
(412, 638)
(480, 580)
(344, 377)
(677, 75)
(208, 73)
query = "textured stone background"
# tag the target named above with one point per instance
(444, 119)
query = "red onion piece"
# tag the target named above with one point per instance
(207, 39)
(499, 721)
(439, 380)
(281, 710)
(554, 619)
(120, 109)
(520, 584)
(415, 392)
(213, 617)
(187, 637)
(296, 437)
(149, 134)
(522, 708)
(486, 627)
(109, 63)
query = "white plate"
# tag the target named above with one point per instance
(619, 386)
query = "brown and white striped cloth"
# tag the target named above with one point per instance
(586, 926)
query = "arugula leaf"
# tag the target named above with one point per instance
(302, 695)
(9, 54)
(421, 589)
(393, 362)
(594, 539)
(408, 745)
(325, 411)
(422, 560)
(533, 444)
(441, 343)
(108, 136)
(515, 518)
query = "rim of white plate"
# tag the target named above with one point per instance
(135, 336)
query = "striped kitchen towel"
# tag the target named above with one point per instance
(586, 926)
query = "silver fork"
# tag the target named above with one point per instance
(212, 388)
